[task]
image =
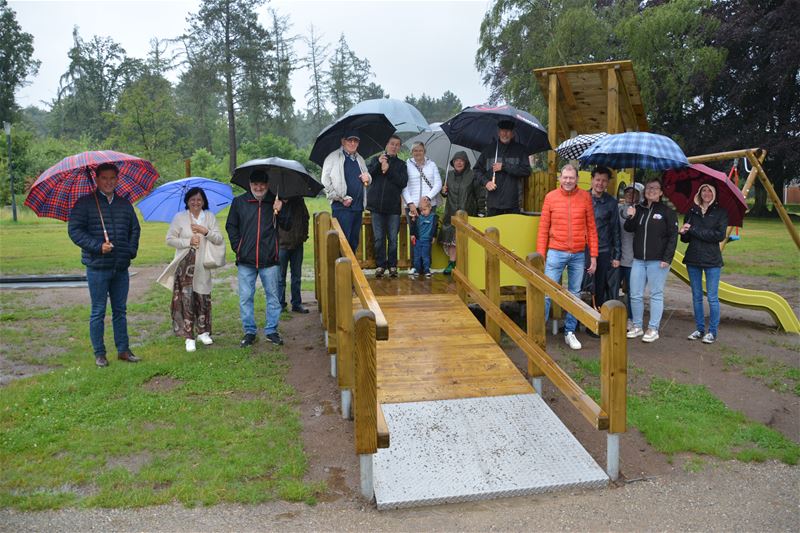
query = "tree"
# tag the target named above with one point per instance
(199, 99)
(146, 121)
(317, 55)
(16, 60)
(98, 72)
(226, 33)
(339, 78)
(281, 86)
(518, 36)
(436, 109)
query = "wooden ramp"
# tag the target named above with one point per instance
(464, 422)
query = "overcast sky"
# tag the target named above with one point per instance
(413, 46)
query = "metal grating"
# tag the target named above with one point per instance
(479, 448)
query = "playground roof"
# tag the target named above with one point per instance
(587, 94)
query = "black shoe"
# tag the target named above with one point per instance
(392, 272)
(101, 361)
(128, 356)
(299, 309)
(379, 272)
(275, 338)
(248, 340)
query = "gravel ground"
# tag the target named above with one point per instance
(724, 497)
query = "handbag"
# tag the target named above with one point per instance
(214, 255)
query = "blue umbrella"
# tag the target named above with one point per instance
(476, 128)
(635, 149)
(164, 202)
(404, 117)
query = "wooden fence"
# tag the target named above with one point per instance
(351, 335)
(610, 323)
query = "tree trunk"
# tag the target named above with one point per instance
(229, 91)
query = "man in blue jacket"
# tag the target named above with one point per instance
(253, 234)
(105, 227)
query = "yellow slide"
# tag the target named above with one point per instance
(767, 301)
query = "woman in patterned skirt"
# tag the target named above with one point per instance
(189, 233)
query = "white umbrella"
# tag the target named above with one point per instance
(438, 147)
(574, 147)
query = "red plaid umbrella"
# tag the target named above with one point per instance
(60, 186)
(681, 185)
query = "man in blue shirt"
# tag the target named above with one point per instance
(345, 176)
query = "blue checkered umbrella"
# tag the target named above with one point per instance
(574, 148)
(635, 149)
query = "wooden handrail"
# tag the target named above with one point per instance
(365, 394)
(582, 401)
(363, 290)
(558, 294)
(610, 323)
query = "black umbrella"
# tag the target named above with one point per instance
(287, 177)
(374, 129)
(476, 128)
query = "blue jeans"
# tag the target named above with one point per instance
(291, 259)
(385, 227)
(554, 267)
(422, 256)
(107, 284)
(625, 277)
(712, 288)
(270, 279)
(648, 274)
(350, 221)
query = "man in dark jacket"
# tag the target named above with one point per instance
(389, 178)
(608, 238)
(501, 168)
(291, 252)
(105, 227)
(254, 237)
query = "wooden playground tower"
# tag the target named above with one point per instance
(605, 97)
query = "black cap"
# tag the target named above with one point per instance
(351, 134)
(506, 125)
(259, 176)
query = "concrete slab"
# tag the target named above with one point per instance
(479, 448)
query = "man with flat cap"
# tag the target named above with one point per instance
(345, 177)
(253, 234)
(501, 168)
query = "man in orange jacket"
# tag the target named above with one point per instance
(566, 227)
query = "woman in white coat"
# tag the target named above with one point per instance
(424, 181)
(189, 233)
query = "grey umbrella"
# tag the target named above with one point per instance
(438, 147)
(404, 117)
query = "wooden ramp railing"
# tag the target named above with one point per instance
(610, 323)
(351, 335)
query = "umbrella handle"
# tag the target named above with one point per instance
(100, 213)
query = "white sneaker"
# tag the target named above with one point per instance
(572, 341)
(190, 345)
(695, 335)
(651, 335)
(205, 338)
(709, 338)
(634, 332)
(412, 271)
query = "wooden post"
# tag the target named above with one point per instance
(534, 313)
(368, 259)
(365, 401)
(322, 243)
(776, 201)
(612, 109)
(332, 253)
(462, 254)
(492, 283)
(344, 322)
(614, 366)
(552, 129)
(402, 244)
(187, 167)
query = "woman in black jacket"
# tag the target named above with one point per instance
(704, 228)
(655, 235)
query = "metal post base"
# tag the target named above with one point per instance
(347, 402)
(554, 322)
(537, 385)
(367, 488)
(326, 338)
(612, 456)
(333, 365)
